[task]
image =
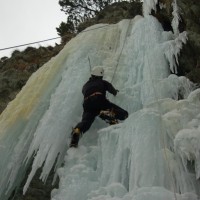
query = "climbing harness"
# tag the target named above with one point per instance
(93, 94)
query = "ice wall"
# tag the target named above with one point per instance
(136, 159)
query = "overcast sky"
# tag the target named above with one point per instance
(25, 21)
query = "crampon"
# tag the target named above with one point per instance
(108, 116)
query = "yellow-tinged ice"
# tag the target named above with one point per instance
(21, 108)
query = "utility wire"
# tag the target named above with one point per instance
(29, 43)
(21, 45)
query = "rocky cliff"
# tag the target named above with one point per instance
(15, 71)
(189, 62)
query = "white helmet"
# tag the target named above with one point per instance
(97, 71)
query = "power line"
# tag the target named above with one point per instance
(21, 45)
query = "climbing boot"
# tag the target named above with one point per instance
(75, 137)
(113, 122)
(108, 116)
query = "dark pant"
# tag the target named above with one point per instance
(92, 107)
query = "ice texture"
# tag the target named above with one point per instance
(153, 155)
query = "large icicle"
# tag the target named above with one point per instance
(148, 6)
(176, 18)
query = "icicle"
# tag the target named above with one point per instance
(172, 49)
(148, 5)
(176, 18)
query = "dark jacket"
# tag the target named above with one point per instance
(97, 84)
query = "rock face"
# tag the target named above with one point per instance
(15, 71)
(189, 60)
(37, 189)
(190, 55)
(114, 13)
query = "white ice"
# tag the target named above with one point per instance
(153, 155)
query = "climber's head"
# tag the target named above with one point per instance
(97, 71)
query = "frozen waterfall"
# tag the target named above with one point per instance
(143, 158)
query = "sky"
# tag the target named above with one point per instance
(26, 21)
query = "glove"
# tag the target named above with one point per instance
(116, 91)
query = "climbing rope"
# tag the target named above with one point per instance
(121, 51)
(115, 68)
(161, 130)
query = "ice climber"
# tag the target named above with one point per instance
(96, 104)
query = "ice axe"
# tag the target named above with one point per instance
(89, 64)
